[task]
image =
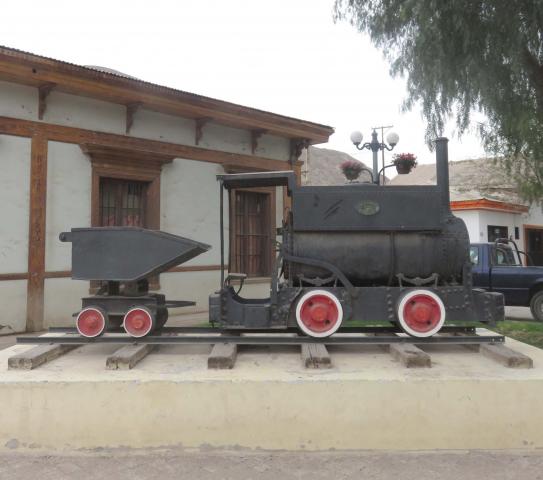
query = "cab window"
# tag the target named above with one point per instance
(474, 255)
(504, 256)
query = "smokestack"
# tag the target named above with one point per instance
(442, 171)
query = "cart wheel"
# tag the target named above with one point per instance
(138, 322)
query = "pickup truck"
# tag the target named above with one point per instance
(497, 267)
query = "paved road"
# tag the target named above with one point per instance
(276, 466)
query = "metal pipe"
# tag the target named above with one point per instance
(375, 147)
(221, 203)
(442, 171)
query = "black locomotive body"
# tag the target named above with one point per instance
(363, 252)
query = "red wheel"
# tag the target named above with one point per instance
(319, 313)
(91, 322)
(421, 313)
(138, 322)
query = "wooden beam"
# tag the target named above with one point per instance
(13, 276)
(128, 357)
(255, 135)
(223, 356)
(315, 355)
(61, 133)
(37, 356)
(43, 92)
(410, 355)
(131, 110)
(36, 236)
(506, 356)
(198, 130)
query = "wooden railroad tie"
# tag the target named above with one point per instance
(128, 356)
(410, 355)
(315, 355)
(37, 356)
(223, 356)
(506, 356)
(407, 354)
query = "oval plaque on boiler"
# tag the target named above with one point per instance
(367, 208)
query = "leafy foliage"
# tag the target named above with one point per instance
(466, 56)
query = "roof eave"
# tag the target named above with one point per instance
(34, 70)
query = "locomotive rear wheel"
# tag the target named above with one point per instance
(421, 313)
(319, 313)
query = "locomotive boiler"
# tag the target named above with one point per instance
(362, 252)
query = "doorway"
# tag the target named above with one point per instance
(534, 244)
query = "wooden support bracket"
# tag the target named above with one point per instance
(200, 122)
(296, 147)
(315, 355)
(131, 110)
(43, 92)
(255, 135)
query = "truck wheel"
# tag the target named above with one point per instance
(536, 306)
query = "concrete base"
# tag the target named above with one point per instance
(270, 401)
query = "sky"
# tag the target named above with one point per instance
(284, 56)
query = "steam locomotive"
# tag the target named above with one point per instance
(362, 252)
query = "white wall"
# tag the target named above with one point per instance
(68, 206)
(14, 218)
(62, 299)
(83, 112)
(13, 303)
(75, 111)
(18, 101)
(471, 219)
(14, 203)
(189, 205)
(69, 179)
(509, 220)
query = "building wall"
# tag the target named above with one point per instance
(14, 205)
(472, 220)
(189, 198)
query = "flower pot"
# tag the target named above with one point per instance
(351, 175)
(404, 167)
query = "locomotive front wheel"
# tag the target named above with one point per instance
(319, 313)
(138, 322)
(421, 313)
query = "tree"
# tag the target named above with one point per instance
(462, 56)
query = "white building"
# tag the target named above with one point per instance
(483, 196)
(83, 146)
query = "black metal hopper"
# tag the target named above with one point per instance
(126, 254)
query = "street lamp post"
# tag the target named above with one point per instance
(375, 146)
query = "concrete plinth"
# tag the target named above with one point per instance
(270, 401)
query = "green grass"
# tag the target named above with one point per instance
(527, 332)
